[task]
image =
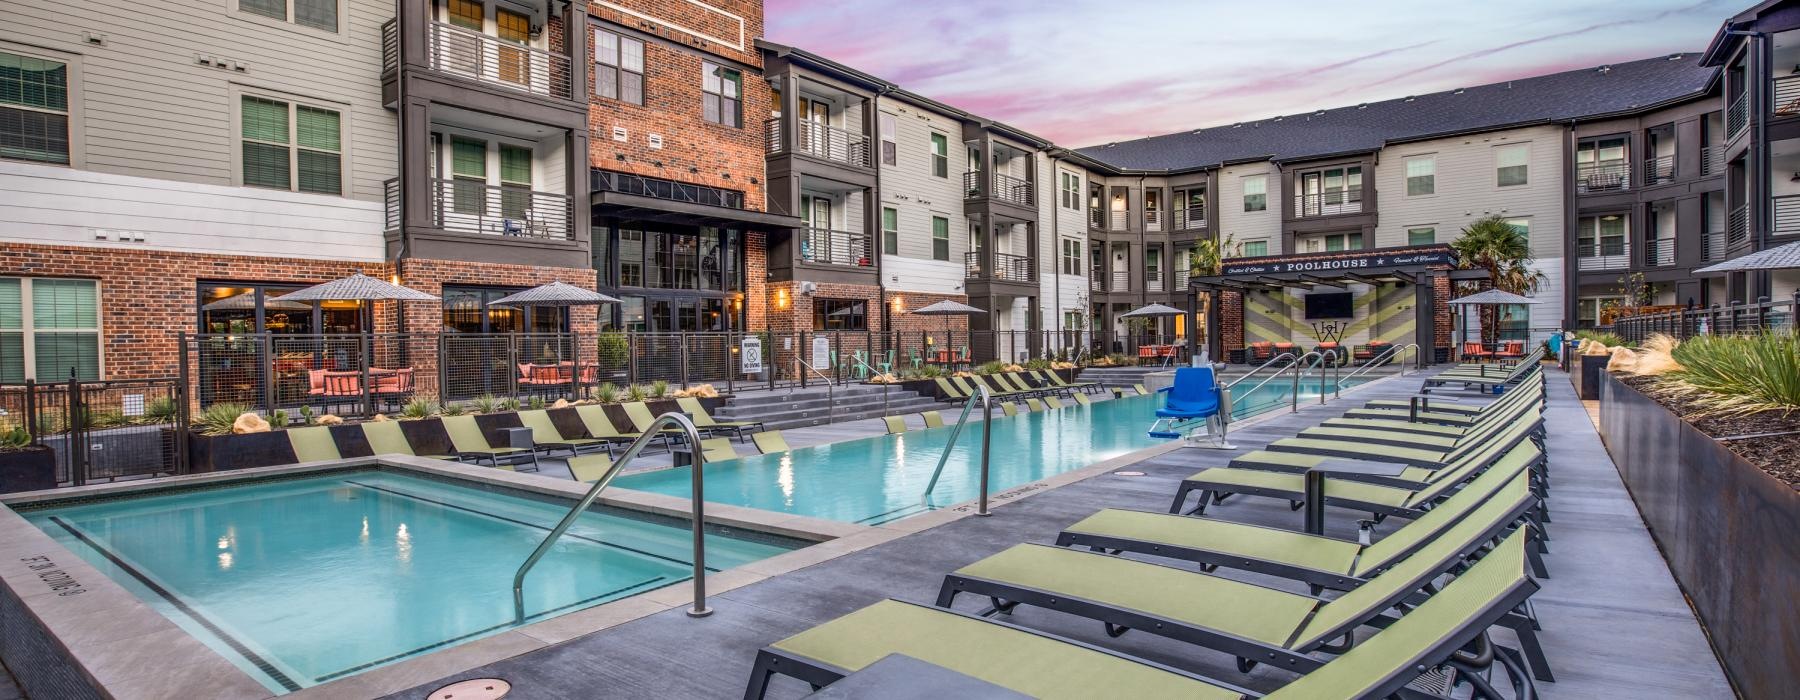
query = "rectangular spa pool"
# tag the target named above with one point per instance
(882, 479)
(300, 581)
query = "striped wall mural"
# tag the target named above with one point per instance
(1380, 313)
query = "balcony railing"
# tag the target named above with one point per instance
(1606, 176)
(390, 45)
(1181, 279)
(390, 194)
(1096, 217)
(1121, 281)
(1096, 280)
(1190, 218)
(1329, 203)
(468, 206)
(1712, 247)
(1787, 96)
(1712, 160)
(1118, 220)
(828, 247)
(1737, 116)
(1659, 251)
(493, 60)
(1007, 267)
(1737, 226)
(1153, 280)
(1787, 215)
(658, 188)
(1659, 170)
(821, 141)
(1005, 188)
(1153, 220)
(1602, 256)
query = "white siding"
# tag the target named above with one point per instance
(1242, 226)
(916, 195)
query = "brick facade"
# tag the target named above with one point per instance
(909, 323)
(430, 277)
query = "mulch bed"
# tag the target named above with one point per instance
(1779, 455)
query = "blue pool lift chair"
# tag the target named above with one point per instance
(1196, 399)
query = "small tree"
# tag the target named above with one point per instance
(1494, 246)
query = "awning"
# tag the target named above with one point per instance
(643, 208)
(1306, 271)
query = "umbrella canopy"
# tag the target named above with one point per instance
(247, 302)
(357, 287)
(1492, 296)
(554, 294)
(1784, 257)
(949, 308)
(1152, 310)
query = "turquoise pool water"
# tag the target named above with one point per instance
(881, 479)
(304, 581)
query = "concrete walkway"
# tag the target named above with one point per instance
(1614, 622)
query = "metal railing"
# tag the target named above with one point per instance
(1002, 187)
(696, 514)
(1181, 275)
(1787, 96)
(1190, 218)
(1659, 251)
(828, 247)
(658, 188)
(100, 430)
(1602, 256)
(1712, 160)
(1096, 281)
(1382, 360)
(1259, 368)
(1787, 215)
(1153, 280)
(1007, 267)
(1712, 246)
(1153, 220)
(1320, 361)
(495, 61)
(830, 387)
(1121, 281)
(1731, 319)
(1737, 226)
(1118, 220)
(468, 206)
(1346, 201)
(1096, 217)
(1737, 116)
(820, 141)
(1659, 169)
(987, 433)
(1605, 176)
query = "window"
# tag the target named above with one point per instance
(890, 231)
(515, 181)
(48, 328)
(1515, 322)
(1587, 309)
(1071, 191)
(1332, 243)
(1510, 164)
(1071, 257)
(467, 14)
(631, 258)
(318, 14)
(34, 109)
(1256, 193)
(470, 310)
(468, 173)
(1523, 226)
(291, 146)
(940, 238)
(1423, 235)
(940, 155)
(618, 67)
(890, 148)
(840, 315)
(1253, 249)
(722, 102)
(1421, 176)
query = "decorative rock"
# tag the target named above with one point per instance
(330, 420)
(379, 418)
(1623, 360)
(560, 403)
(249, 423)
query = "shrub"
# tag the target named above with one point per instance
(611, 348)
(418, 408)
(1608, 339)
(991, 367)
(486, 403)
(607, 393)
(1041, 363)
(636, 393)
(510, 403)
(159, 410)
(536, 403)
(278, 419)
(659, 389)
(1657, 358)
(1740, 375)
(306, 416)
(218, 418)
(16, 439)
(452, 409)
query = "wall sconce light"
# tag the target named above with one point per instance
(899, 305)
(394, 279)
(781, 298)
(1796, 177)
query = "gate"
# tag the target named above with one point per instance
(102, 431)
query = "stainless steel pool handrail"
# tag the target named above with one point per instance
(1380, 360)
(830, 388)
(1293, 362)
(987, 411)
(1259, 368)
(697, 512)
(1299, 370)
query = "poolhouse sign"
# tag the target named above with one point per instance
(1349, 263)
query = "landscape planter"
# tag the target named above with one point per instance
(218, 453)
(1586, 375)
(30, 469)
(1726, 528)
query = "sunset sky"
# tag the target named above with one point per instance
(1085, 72)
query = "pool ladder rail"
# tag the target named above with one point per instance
(1382, 360)
(697, 512)
(987, 416)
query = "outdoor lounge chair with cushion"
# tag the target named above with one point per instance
(386, 438)
(717, 450)
(933, 419)
(1051, 378)
(1383, 426)
(1053, 402)
(707, 424)
(1045, 666)
(997, 389)
(1083, 400)
(469, 443)
(1480, 380)
(1431, 454)
(1406, 434)
(951, 393)
(1141, 391)
(1044, 388)
(1034, 404)
(770, 442)
(895, 424)
(313, 444)
(549, 438)
(639, 414)
(590, 468)
(599, 426)
(1008, 408)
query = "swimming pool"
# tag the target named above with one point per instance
(305, 580)
(882, 479)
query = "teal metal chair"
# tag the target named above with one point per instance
(887, 365)
(862, 364)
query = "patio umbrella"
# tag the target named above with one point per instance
(1152, 311)
(357, 287)
(554, 294)
(1785, 257)
(949, 307)
(1491, 297)
(247, 302)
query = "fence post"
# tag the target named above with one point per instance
(731, 368)
(368, 358)
(800, 357)
(683, 351)
(443, 370)
(630, 358)
(266, 365)
(1762, 313)
(77, 436)
(31, 423)
(182, 465)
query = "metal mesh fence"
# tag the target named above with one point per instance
(100, 430)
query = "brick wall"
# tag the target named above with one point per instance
(430, 277)
(910, 323)
(756, 280)
(1231, 320)
(1441, 295)
(788, 310)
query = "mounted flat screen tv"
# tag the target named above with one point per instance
(1332, 305)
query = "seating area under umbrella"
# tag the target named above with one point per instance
(559, 373)
(1491, 297)
(369, 383)
(949, 307)
(1166, 352)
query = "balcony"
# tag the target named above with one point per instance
(1712, 160)
(1121, 281)
(821, 141)
(1787, 96)
(1737, 226)
(1007, 267)
(1181, 279)
(1606, 176)
(466, 206)
(1005, 188)
(1328, 203)
(1659, 170)
(1737, 116)
(1659, 251)
(1191, 218)
(1096, 217)
(1153, 280)
(1712, 247)
(1592, 257)
(828, 247)
(1096, 280)
(658, 188)
(1153, 220)
(1118, 220)
(489, 59)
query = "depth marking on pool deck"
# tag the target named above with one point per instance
(237, 646)
(536, 526)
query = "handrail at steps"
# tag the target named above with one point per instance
(987, 409)
(1382, 359)
(697, 513)
(830, 389)
(1259, 368)
(1302, 370)
(884, 385)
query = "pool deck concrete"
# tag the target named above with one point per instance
(1615, 624)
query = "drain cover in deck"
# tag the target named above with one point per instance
(473, 689)
(1131, 473)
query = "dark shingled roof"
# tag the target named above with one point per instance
(1576, 94)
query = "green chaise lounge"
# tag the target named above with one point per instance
(549, 438)
(707, 424)
(469, 443)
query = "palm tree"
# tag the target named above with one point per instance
(1493, 245)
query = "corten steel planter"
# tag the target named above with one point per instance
(217, 453)
(1586, 373)
(29, 469)
(1730, 532)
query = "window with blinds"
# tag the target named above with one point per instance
(1421, 176)
(722, 98)
(34, 109)
(1511, 163)
(890, 231)
(940, 238)
(48, 329)
(318, 14)
(291, 147)
(515, 181)
(468, 170)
